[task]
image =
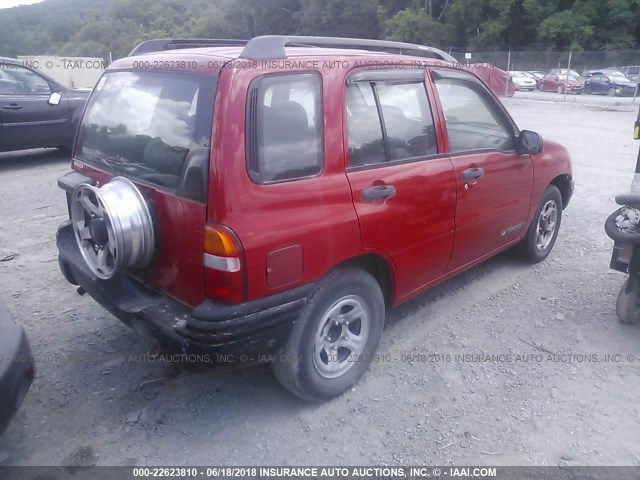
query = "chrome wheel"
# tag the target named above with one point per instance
(341, 337)
(112, 226)
(546, 226)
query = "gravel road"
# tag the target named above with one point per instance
(551, 392)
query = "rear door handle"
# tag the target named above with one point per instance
(378, 192)
(13, 106)
(472, 173)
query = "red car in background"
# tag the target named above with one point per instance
(559, 81)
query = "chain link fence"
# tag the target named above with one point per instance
(545, 60)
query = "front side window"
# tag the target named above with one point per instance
(145, 124)
(474, 120)
(17, 80)
(284, 127)
(388, 121)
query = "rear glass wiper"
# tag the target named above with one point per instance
(107, 160)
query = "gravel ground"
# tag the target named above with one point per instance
(431, 399)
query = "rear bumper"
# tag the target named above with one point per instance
(17, 369)
(241, 333)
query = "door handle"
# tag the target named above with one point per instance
(13, 106)
(378, 192)
(472, 173)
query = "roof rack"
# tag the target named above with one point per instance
(271, 47)
(160, 44)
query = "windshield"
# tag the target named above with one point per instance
(145, 124)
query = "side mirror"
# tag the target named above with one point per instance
(529, 142)
(55, 98)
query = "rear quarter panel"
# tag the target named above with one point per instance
(315, 213)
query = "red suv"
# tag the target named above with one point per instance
(260, 202)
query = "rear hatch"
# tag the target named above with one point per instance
(154, 128)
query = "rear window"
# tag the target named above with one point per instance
(145, 125)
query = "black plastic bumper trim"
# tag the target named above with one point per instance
(259, 326)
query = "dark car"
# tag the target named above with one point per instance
(273, 211)
(613, 84)
(35, 110)
(17, 368)
(600, 71)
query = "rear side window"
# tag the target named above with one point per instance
(388, 121)
(474, 121)
(284, 127)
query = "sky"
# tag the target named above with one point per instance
(15, 3)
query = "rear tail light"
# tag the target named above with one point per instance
(223, 261)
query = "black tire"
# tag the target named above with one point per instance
(611, 92)
(560, 89)
(628, 305)
(296, 368)
(528, 248)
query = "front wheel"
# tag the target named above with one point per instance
(334, 339)
(611, 92)
(628, 305)
(543, 231)
(560, 89)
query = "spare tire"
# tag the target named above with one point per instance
(113, 226)
(617, 235)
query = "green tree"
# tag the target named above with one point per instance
(340, 18)
(566, 29)
(416, 26)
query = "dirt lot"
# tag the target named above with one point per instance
(95, 402)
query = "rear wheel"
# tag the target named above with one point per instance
(543, 231)
(333, 340)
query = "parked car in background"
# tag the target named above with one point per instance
(559, 82)
(522, 81)
(631, 72)
(17, 369)
(36, 111)
(599, 71)
(563, 71)
(300, 268)
(537, 75)
(613, 84)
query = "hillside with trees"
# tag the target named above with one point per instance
(97, 27)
